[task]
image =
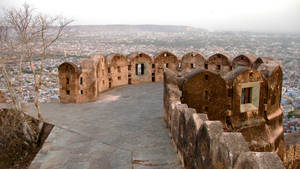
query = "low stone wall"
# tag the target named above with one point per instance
(202, 143)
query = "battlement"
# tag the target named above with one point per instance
(222, 112)
(203, 143)
(243, 93)
(83, 83)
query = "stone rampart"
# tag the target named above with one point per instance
(202, 143)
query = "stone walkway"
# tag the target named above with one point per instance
(124, 129)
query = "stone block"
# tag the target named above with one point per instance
(259, 160)
(207, 142)
(231, 145)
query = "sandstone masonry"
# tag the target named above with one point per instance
(221, 111)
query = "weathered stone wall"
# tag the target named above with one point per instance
(246, 77)
(274, 92)
(102, 76)
(118, 73)
(136, 61)
(191, 62)
(202, 143)
(221, 99)
(87, 80)
(220, 63)
(100, 73)
(68, 80)
(206, 91)
(164, 60)
(243, 60)
(208, 94)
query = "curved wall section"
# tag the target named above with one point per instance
(68, 81)
(164, 60)
(202, 143)
(139, 68)
(100, 73)
(243, 101)
(206, 91)
(191, 62)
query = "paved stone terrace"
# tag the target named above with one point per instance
(124, 129)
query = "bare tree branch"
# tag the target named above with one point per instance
(30, 37)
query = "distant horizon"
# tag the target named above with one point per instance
(270, 16)
(209, 30)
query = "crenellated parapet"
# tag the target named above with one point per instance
(83, 82)
(222, 112)
(202, 143)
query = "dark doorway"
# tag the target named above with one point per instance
(229, 123)
(206, 66)
(109, 83)
(153, 77)
(129, 81)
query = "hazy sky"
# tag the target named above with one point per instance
(256, 15)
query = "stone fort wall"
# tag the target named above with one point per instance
(84, 82)
(241, 94)
(202, 143)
